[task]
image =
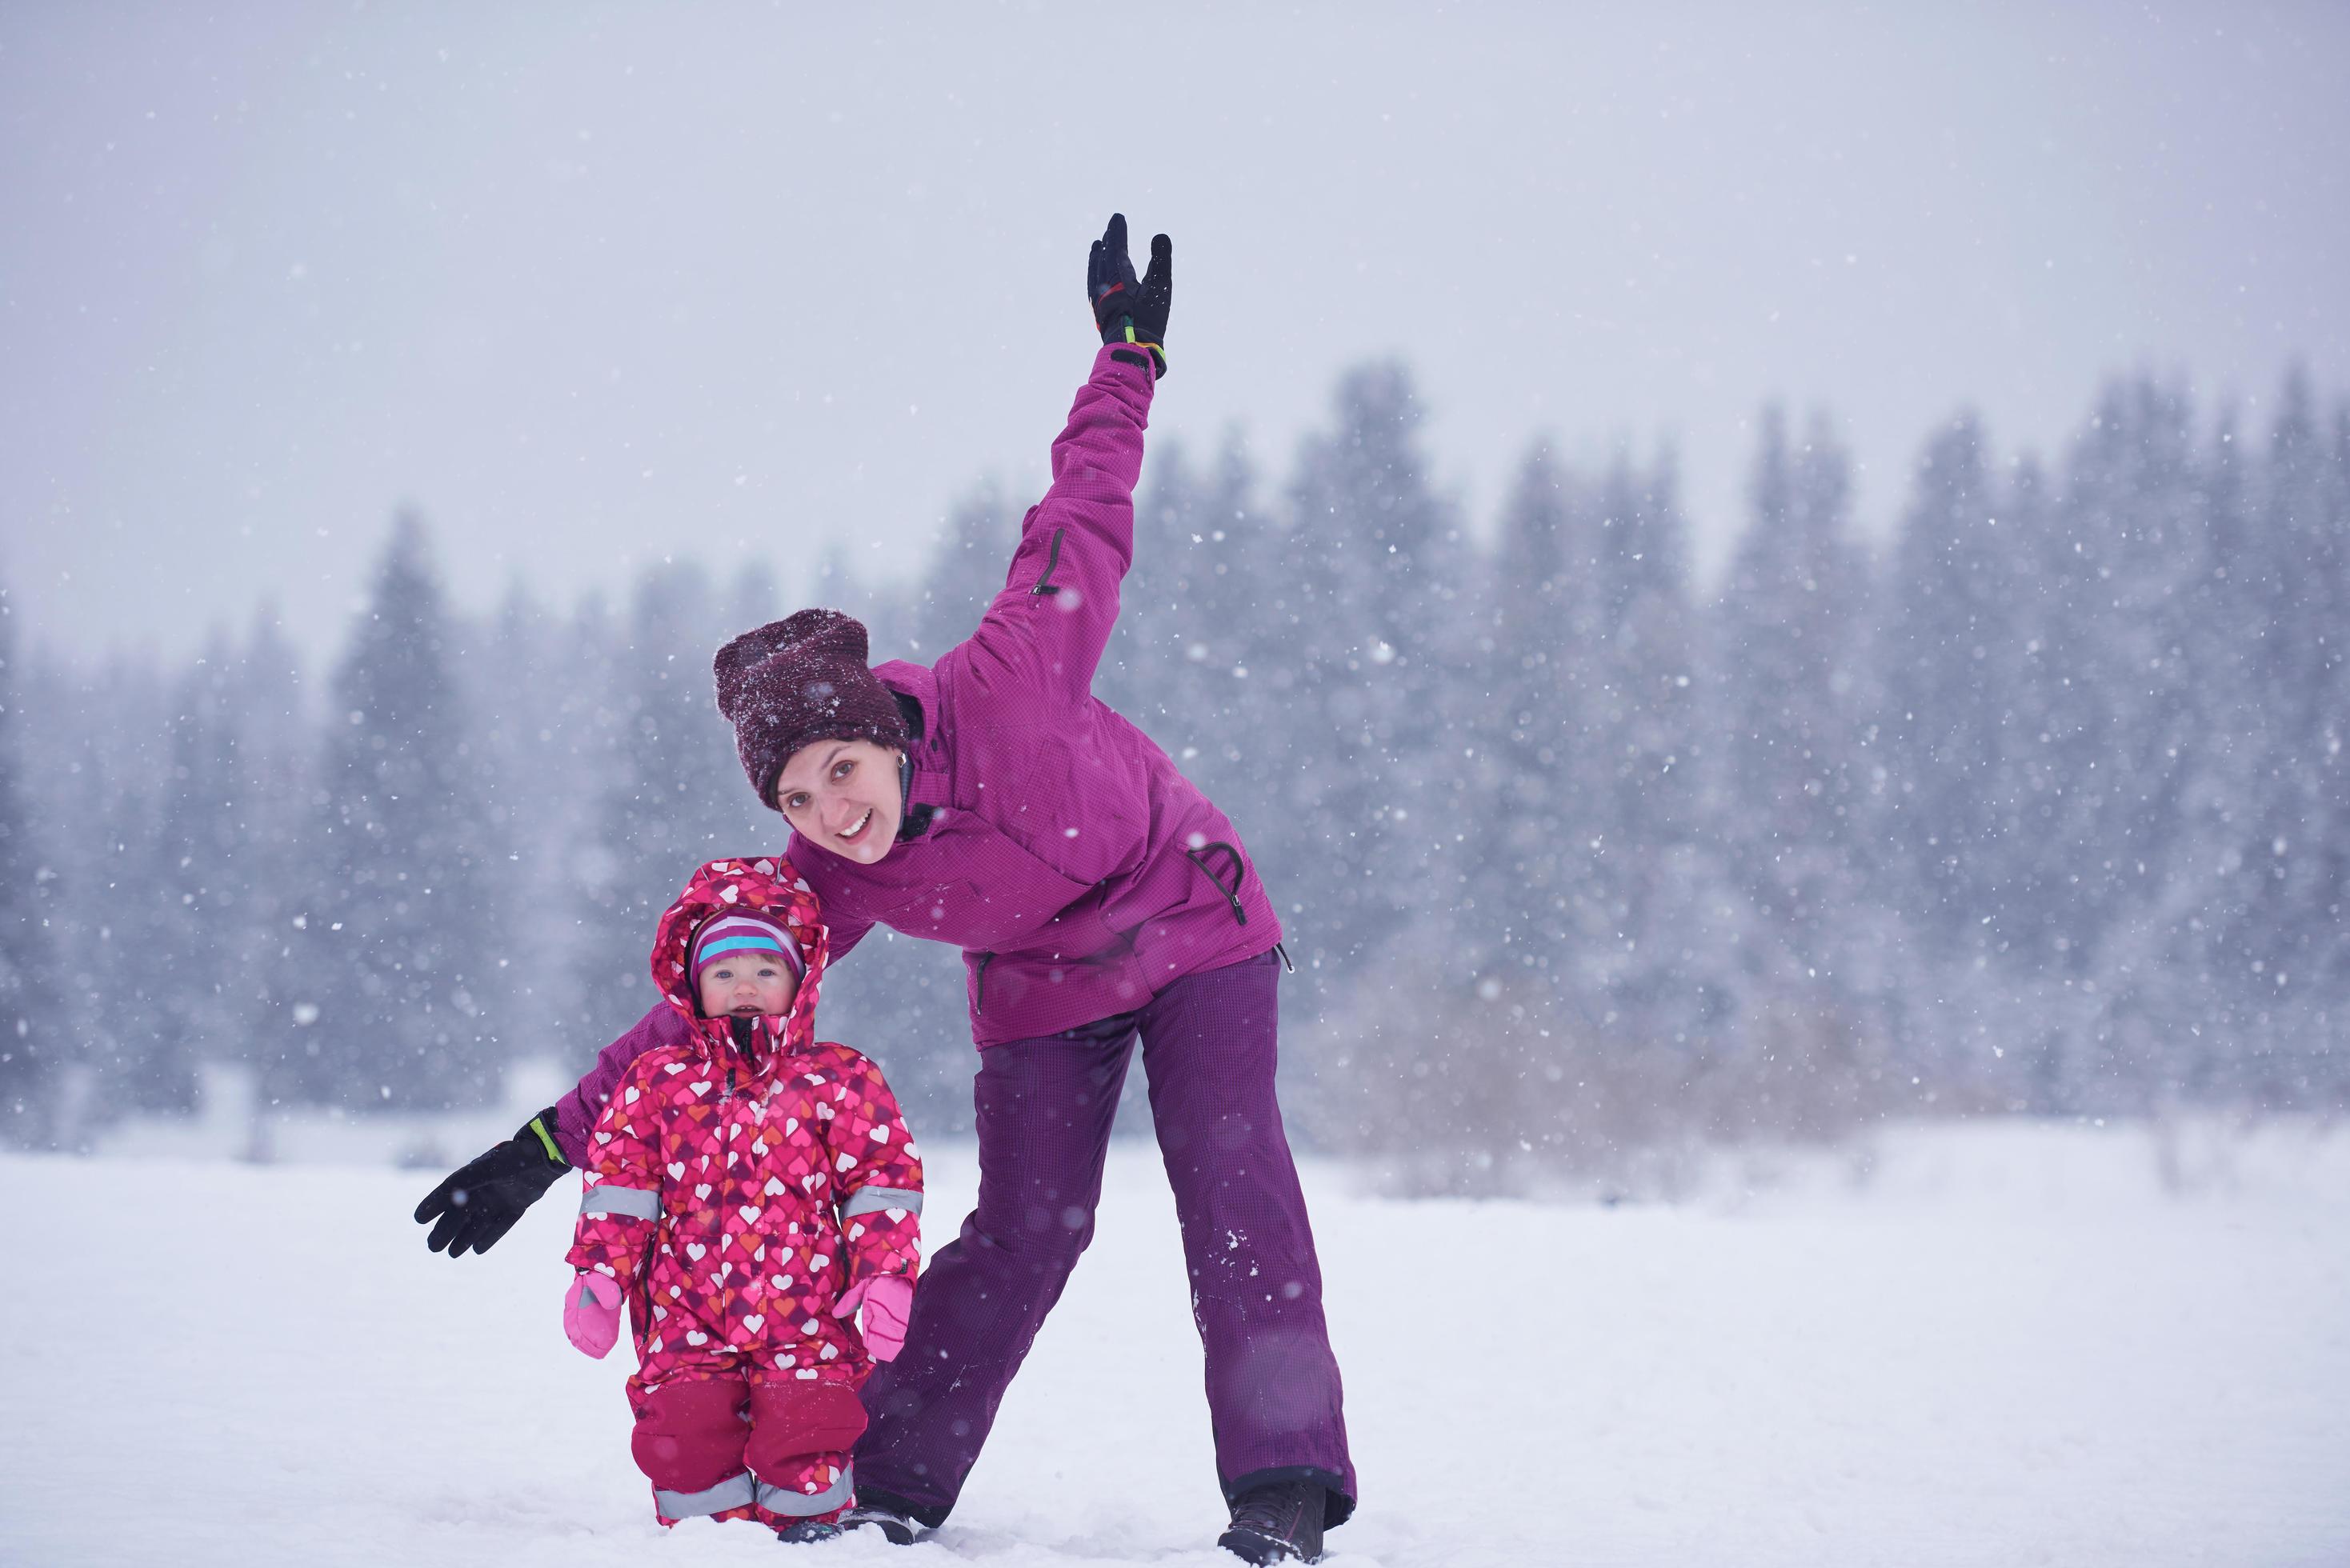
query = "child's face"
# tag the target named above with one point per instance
(748, 984)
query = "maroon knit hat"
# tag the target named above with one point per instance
(800, 679)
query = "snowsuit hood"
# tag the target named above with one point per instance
(767, 886)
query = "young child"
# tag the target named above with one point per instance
(748, 1192)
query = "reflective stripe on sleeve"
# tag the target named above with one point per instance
(634, 1202)
(800, 1504)
(867, 1199)
(732, 1492)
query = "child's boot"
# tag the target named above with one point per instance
(801, 1531)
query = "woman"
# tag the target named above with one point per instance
(992, 802)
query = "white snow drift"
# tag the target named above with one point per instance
(2008, 1344)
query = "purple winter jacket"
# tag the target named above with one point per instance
(1077, 869)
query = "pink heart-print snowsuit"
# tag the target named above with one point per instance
(737, 1190)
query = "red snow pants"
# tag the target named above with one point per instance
(735, 1436)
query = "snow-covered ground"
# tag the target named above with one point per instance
(2000, 1344)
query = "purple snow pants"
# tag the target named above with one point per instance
(1043, 1109)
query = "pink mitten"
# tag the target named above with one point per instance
(887, 1300)
(591, 1314)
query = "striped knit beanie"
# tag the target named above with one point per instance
(739, 933)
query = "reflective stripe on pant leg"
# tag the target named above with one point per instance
(801, 1434)
(801, 1505)
(866, 1199)
(631, 1202)
(735, 1492)
(689, 1439)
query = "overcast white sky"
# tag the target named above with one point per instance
(589, 284)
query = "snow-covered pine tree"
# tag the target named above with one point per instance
(2048, 1026)
(278, 840)
(1142, 652)
(1379, 561)
(1949, 656)
(1198, 605)
(2186, 921)
(1952, 649)
(405, 924)
(2329, 970)
(1534, 618)
(553, 729)
(32, 1025)
(2134, 517)
(1789, 694)
(1789, 628)
(99, 798)
(1462, 1049)
(1228, 649)
(525, 698)
(1657, 886)
(668, 792)
(192, 921)
(2290, 951)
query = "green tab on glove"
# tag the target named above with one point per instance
(1126, 310)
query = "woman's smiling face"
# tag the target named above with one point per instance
(843, 795)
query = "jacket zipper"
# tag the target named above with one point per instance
(1045, 585)
(979, 1005)
(1240, 874)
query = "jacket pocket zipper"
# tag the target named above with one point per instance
(980, 1004)
(1200, 857)
(1045, 585)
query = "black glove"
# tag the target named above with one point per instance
(1127, 311)
(480, 1199)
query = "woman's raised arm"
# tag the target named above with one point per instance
(1047, 628)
